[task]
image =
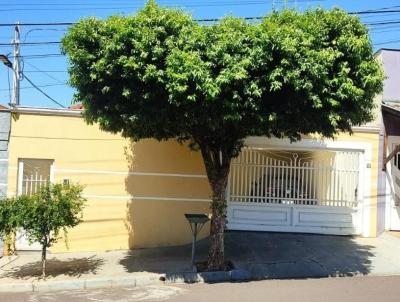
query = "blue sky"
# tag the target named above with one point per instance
(44, 65)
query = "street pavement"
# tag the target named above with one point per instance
(355, 289)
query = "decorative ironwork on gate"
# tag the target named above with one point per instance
(302, 178)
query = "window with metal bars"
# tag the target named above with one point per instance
(33, 174)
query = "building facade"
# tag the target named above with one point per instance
(138, 192)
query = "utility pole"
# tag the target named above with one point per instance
(16, 67)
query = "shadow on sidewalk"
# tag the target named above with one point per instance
(269, 255)
(265, 255)
(164, 259)
(73, 267)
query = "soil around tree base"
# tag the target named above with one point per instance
(201, 266)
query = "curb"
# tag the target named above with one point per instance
(59, 285)
(209, 277)
(131, 281)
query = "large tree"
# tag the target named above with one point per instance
(160, 74)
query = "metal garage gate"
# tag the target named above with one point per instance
(302, 191)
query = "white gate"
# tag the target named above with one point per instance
(303, 191)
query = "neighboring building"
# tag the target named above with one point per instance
(5, 122)
(390, 206)
(138, 192)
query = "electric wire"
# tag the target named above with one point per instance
(44, 93)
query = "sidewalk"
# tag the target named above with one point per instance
(89, 269)
(256, 255)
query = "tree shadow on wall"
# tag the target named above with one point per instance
(155, 214)
(138, 212)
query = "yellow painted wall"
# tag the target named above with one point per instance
(133, 200)
(124, 209)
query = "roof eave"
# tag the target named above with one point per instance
(47, 111)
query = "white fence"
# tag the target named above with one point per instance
(296, 178)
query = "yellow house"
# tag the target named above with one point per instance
(138, 192)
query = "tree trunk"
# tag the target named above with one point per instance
(9, 245)
(44, 261)
(216, 256)
(217, 165)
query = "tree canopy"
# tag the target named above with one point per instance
(160, 74)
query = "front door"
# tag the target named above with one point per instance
(395, 189)
(32, 175)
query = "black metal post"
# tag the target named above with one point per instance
(196, 222)
(194, 232)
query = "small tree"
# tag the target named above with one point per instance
(54, 208)
(159, 74)
(10, 220)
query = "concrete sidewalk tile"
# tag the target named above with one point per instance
(6, 260)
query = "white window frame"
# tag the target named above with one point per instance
(21, 172)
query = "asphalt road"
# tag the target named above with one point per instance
(357, 289)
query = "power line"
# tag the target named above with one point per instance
(387, 42)
(383, 23)
(44, 72)
(44, 93)
(375, 11)
(163, 3)
(55, 71)
(39, 24)
(40, 56)
(30, 43)
(383, 8)
(193, 4)
(397, 21)
(41, 86)
(41, 29)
